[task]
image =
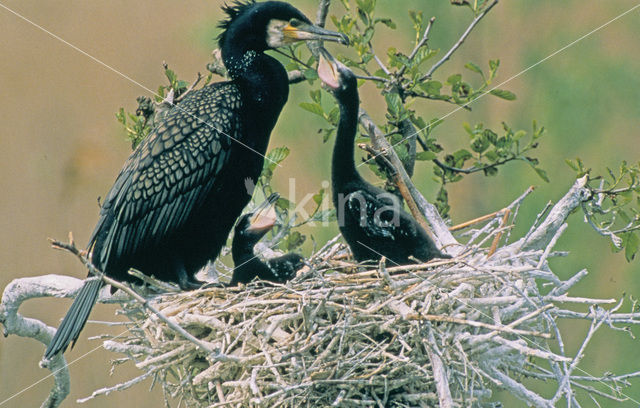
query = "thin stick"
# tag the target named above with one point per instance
(459, 42)
(473, 323)
(475, 221)
(190, 89)
(420, 44)
(496, 239)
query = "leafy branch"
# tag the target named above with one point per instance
(613, 209)
(150, 111)
(403, 78)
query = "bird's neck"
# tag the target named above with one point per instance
(261, 78)
(242, 252)
(343, 167)
(246, 264)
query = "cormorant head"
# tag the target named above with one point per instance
(334, 74)
(270, 24)
(253, 226)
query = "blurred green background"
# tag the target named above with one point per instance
(61, 146)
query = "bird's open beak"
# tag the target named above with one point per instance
(264, 216)
(299, 31)
(328, 69)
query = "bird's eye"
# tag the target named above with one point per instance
(294, 22)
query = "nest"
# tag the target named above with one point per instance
(445, 333)
(342, 337)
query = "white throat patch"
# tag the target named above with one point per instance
(275, 36)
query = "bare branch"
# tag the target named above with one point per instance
(119, 387)
(20, 290)
(520, 390)
(459, 42)
(439, 375)
(543, 235)
(428, 210)
(323, 11)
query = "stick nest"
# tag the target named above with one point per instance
(336, 336)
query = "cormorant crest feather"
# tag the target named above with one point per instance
(233, 10)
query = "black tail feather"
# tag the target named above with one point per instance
(76, 317)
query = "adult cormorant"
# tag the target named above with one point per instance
(248, 231)
(371, 220)
(178, 195)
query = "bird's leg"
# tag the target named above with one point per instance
(185, 281)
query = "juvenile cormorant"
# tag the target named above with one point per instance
(178, 195)
(248, 231)
(371, 220)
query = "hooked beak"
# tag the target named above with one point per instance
(328, 69)
(300, 31)
(264, 216)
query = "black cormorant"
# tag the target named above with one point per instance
(248, 231)
(371, 220)
(178, 195)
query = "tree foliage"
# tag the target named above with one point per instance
(402, 78)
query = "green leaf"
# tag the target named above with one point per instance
(121, 117)
(467, 128)
(394, 104)
(622, 214)
(316, 95)
(386, 21)
(473, 67)
(416, 18)
(310, 74)
(324, 215)
(292, 241)
(363, 15)
(461, 156)
(284, 204)
(318, 197)
(491, 136)
(425, 156)
(541, 173)
(491, 155)
(366, 5)
(431, 87)
(571, 164)
(433, 123)
(504, 94)
(327, 134)
(418, 122)
(160, 94)
(454, 79)
(490, 171)
(519, 135)
(275, 157)
(479, 144)
(624, 198)
(632, 243)
(313, 108)
(442, 201)
(171, 76)
(422, 55)
(333, 115)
